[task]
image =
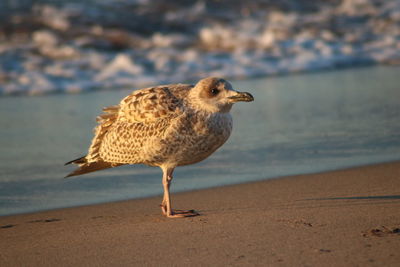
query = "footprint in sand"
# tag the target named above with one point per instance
(45, 220)
(7, 226)
(382, 231)
(34, 221)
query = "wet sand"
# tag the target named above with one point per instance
(340, 218)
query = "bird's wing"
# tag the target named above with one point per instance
(151, 104)
(135, 118)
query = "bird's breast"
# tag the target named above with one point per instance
(194, 137)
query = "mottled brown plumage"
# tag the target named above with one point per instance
(165, 126)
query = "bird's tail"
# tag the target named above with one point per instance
(86, 167)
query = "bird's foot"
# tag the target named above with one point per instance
(178, 213)
(182, 213)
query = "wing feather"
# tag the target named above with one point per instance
(149, 105)
(105, 121)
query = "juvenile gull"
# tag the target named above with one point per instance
(165, 126)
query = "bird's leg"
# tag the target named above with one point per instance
(166, 203)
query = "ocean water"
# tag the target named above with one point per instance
(298, 124)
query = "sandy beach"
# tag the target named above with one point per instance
(340, 218)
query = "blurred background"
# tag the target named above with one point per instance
(325, 75)
(71, 46)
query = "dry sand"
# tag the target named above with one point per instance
(340, 218)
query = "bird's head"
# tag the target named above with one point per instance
(216, 95)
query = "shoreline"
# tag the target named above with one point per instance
(338, 218)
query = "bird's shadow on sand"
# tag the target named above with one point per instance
(358, 198)
(316, 203)
(344, 201)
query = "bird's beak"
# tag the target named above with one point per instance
(241, 96)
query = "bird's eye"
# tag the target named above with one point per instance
(214, 91)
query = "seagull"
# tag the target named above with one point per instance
(165, 126)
